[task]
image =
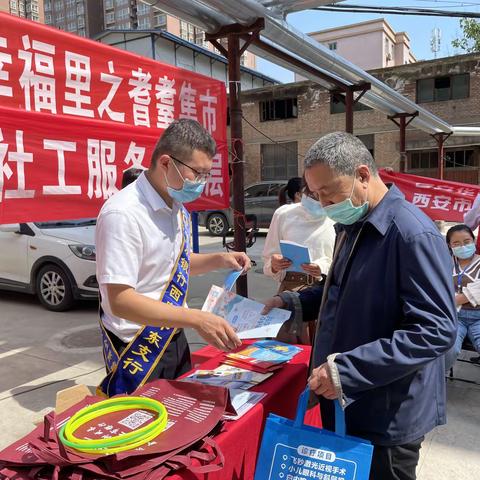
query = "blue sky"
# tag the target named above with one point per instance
(418, 28)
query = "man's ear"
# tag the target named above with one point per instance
(364, 173)
(163, 160)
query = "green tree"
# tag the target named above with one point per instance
(470, 41)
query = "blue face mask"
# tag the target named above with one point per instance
(313, 207)
(189, 192)
(465, 251)
(346, 212)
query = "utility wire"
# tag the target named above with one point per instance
(397, 11)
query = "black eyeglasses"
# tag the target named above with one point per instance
(200, 177)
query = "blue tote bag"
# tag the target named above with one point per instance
(291, 450)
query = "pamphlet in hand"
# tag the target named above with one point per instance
(231, 278)
(245, 315)
(296, 253)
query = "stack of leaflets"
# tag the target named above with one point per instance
(228, 376)
(238, 381)
(263, 356)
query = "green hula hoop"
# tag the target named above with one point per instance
(120, 443)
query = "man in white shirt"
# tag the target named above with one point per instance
(143, 256)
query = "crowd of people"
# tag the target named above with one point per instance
(382, 293)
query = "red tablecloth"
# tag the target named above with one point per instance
(241, 439)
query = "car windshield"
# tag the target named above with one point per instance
(80, 222)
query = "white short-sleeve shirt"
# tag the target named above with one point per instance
(294, 223)
(138, 239)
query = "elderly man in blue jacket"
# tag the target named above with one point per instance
(387, 315)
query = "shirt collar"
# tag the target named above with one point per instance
(151, 195)
(382, 215)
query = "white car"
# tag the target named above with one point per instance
(54, 260)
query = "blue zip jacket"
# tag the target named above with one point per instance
(390, 314)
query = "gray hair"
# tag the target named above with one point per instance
(181, 138)
(342, 152)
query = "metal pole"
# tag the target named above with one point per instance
(349, 110)
(195, 242)
(441, 138)
(403, 153)
(441, 141)
(237, 152)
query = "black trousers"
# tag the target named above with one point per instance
(175, 360)
(396, 463)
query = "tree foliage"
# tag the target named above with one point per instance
(470, 41)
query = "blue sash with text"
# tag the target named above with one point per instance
(133, 367)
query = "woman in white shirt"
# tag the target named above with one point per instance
(303, 221)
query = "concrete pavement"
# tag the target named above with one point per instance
(43, 352)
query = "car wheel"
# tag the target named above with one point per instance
(54, 288)
(217, 224)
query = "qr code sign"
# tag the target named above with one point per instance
(135, 420)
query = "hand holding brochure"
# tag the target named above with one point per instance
(296, 253)
(245, 315)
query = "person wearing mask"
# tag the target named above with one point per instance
(386, 313)
(466, 281)
(144, 262)
(304, 222)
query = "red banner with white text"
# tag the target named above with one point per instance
(74, 114)
(439, 199)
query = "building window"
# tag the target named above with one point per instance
(199, 37)
(34, 8)
(35, 17)
(13, 5)
(187, 31)
(70, 3)
(71, 14)
(160, 20)
(123, 14)
(47, 5)
(337, 104)
(369, 142)
(109, 18)
(72, 26)
(81, 21)
(59, 18)
(48, 18)
(424, 160)
(279, 161)
(108, 4)
(144, 23)
(332, 46)
(80, 9)
(460, 159)
(81, 32)
(441, 89)
(143, 8)
(278, 109)
(58, 6)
